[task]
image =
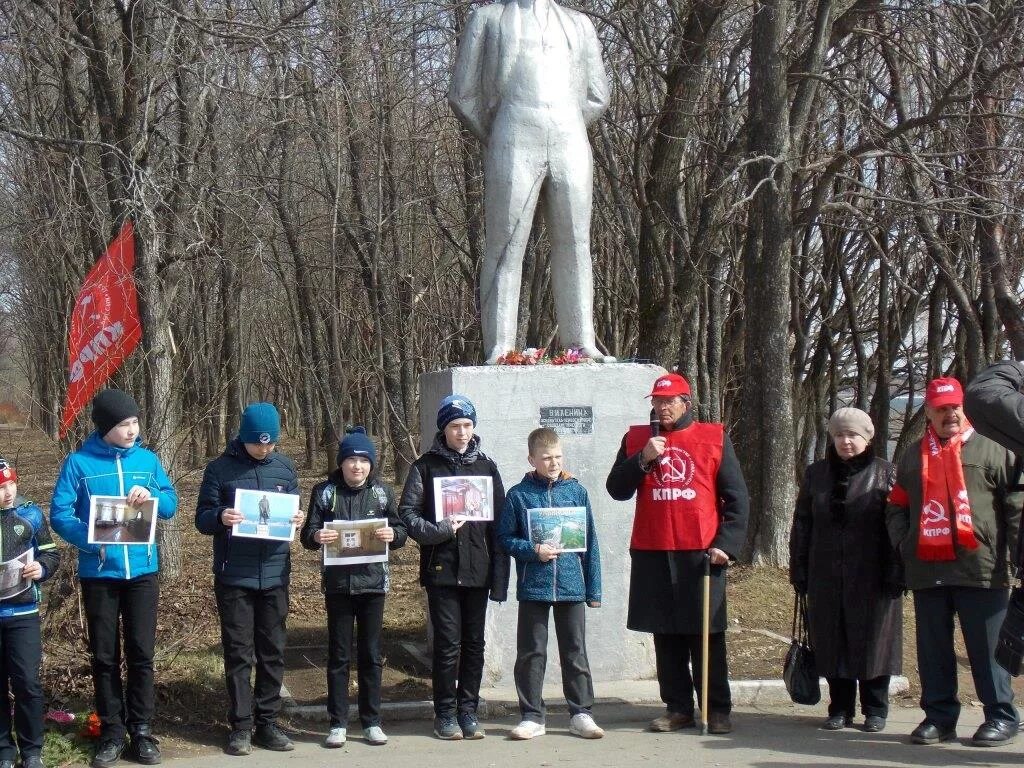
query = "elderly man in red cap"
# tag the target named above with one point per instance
(691, 503)
(954, 520)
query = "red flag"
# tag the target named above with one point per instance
(105, 324)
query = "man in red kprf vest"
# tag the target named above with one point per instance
(954, 520)
(690, 500)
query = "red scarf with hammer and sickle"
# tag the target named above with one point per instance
(943, 487)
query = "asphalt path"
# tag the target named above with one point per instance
(762, 738)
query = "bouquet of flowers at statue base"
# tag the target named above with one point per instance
(543, 356)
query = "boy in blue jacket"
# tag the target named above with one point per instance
(22, 528)
(119, 581)
(551, 581)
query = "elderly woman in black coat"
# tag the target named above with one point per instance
(840, 557)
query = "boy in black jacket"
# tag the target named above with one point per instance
(459, 564)
(354, 593)
(250, 579)
(22, 528)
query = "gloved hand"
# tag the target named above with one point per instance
(800, 586)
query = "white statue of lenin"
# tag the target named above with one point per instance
(527, 82)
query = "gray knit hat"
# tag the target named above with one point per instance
(851, 420)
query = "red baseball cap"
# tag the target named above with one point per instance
(944, 391)
(670, 385)
(7, 473)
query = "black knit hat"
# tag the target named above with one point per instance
(110, 407)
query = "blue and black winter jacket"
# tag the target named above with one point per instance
(572, 576)
(101, 469)
(23, 527)
(239, 561)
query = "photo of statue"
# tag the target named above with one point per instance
(267, 515)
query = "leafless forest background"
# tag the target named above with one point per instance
(800, 204)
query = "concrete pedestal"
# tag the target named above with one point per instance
(591, 406)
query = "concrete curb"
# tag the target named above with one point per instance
(502, 701)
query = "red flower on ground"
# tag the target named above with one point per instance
(91, 729)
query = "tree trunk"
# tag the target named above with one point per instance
(767, 446)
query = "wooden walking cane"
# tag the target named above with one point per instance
(705, 631)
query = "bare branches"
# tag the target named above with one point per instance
(305, 194)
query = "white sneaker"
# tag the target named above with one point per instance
(527, 730)
(583, 725)
(375, 735)
(336, 738)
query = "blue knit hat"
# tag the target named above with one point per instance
(455, 407)
(260, 424)
(356, 443)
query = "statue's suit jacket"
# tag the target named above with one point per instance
(488, 51)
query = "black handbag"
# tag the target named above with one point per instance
(799, 671)
(1010, 646)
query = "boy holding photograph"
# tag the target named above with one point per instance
(119, 581)
(23, 528)
(354, 593)
(459, 566)
(250, 578)
(550, 580)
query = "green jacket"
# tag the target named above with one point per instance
(995, 513)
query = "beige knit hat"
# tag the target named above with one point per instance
(851, 420)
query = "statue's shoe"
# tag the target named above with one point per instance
(595, 354)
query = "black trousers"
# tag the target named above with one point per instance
(132, 603)
(457, 615)
(981, 613)
(253, 632)
(674, 655)
(367, 612)
(532, 657)
(21, 652)
(874, 696)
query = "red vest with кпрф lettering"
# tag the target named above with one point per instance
(677, 503)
